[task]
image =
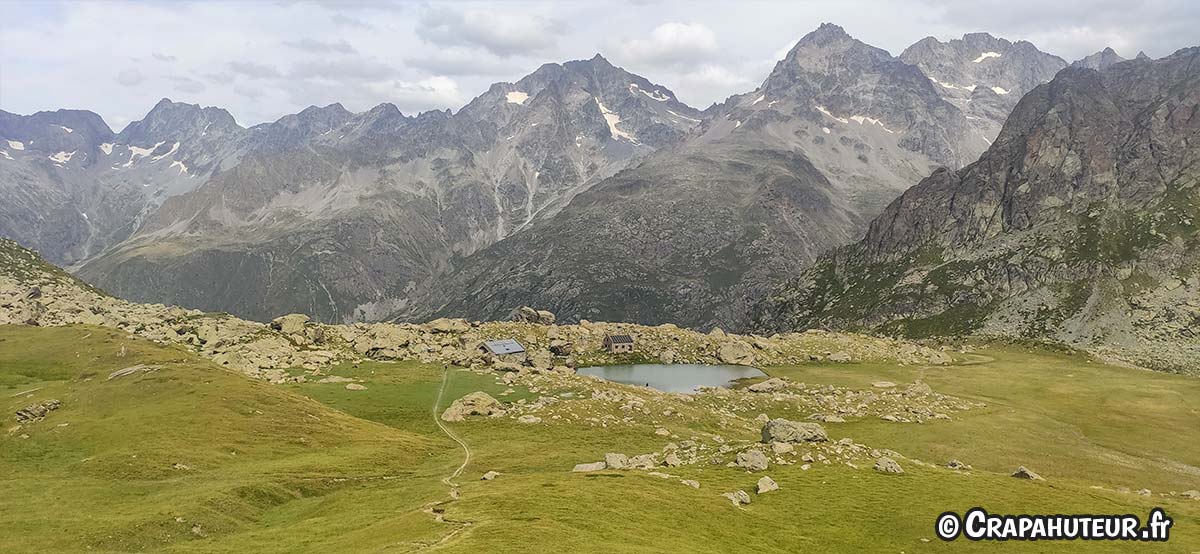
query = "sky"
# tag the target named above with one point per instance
(264, 59)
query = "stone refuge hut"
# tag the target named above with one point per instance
(504, 350)
(618, 344)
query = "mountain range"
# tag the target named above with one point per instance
(1079, 225)
(580, 188)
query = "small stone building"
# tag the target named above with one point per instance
(508, 350)
(618, 344)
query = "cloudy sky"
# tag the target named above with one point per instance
(263, 59)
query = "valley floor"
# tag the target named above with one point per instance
(181, 455)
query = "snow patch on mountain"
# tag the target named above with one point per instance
(174, 149)
(612, 118)
(183, 169)
(5, 154)
(831, 116)
(654, 95)
(61, 157)
(16, 145)
(985, 56)
(999, 90)
(861, 119)
(135, 153)
(106, 148)
(683, 117)
(516, 97)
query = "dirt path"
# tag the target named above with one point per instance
(449, 479)
(438, 509)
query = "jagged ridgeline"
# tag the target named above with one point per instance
(1079, 224)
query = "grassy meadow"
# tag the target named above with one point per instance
(194, 458)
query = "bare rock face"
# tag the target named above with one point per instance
(475, 404)
(594, 466)
(782, 430)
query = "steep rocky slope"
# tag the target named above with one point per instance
(340, 215)
(1079, 224)
(695, 234)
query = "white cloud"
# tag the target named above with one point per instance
(503, 34)
(670, 44)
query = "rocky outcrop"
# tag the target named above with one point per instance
(36, 412)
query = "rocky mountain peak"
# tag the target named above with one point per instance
(56, 131)
(176, 121)
(1100, 60)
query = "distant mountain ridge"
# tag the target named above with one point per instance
(696, 234)
(380, 215)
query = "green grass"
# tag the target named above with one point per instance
(317, 468)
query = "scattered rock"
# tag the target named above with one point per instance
(1192, 494)
(131, 370)
(691, 483)
(1024, 473)
(782, 430)
(770, 385)
(529, 419)
(767, 484)
(355, 386)
(489, 476)
(883, 384)
(782, 448)
(644, 461)
(616, 461)
(752, 459)
(888, 465)
(37, 412)
(594, 466)
(738, 497)
(477, 403)
(839, 357)
(955, 464)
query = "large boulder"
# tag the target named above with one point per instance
(782, 430)
(1023, 472)
(753, 460)
(448, 325)
(530, 315)
(767, 484)
(616, 461)
(291, 324)
(736, 353)
(770, 385)
(475, 404)
(889, 466)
